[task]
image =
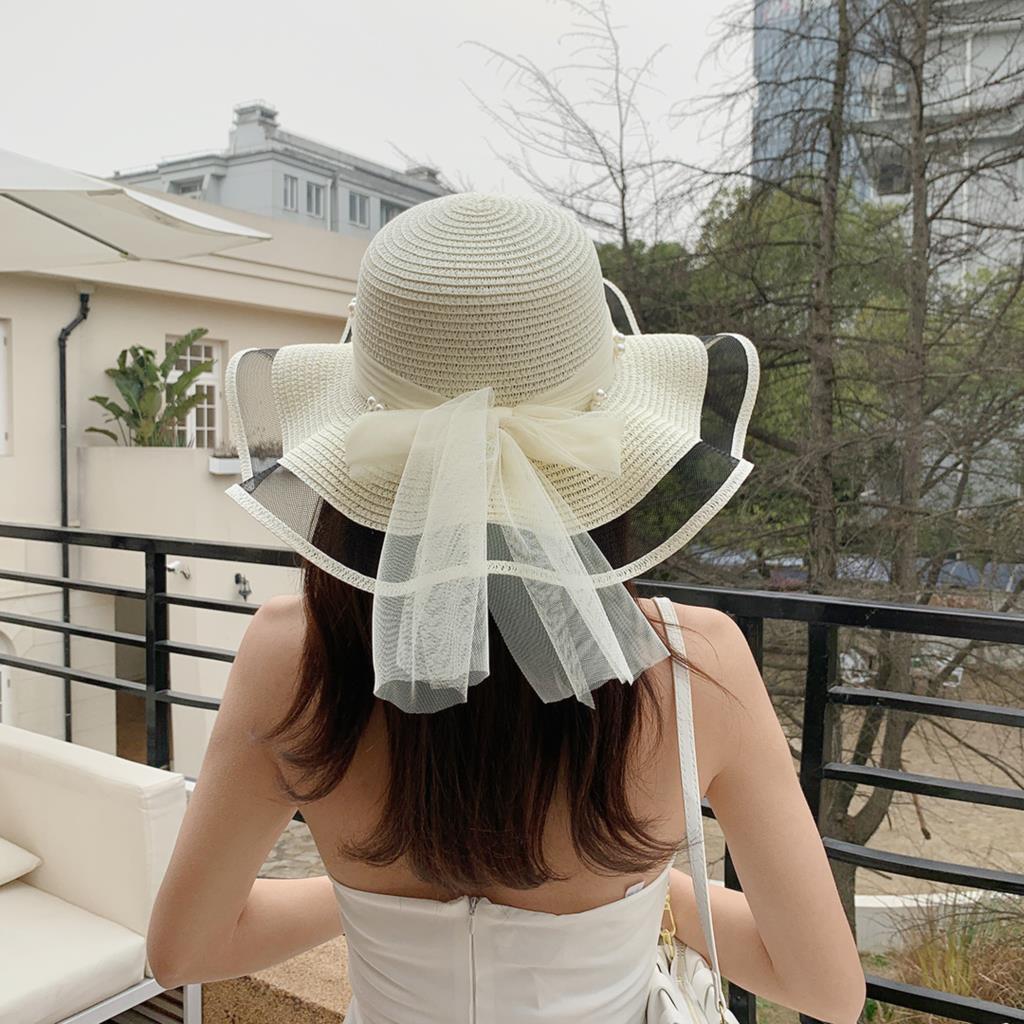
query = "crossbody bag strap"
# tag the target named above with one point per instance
(691, 788)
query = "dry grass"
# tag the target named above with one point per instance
(974, 949)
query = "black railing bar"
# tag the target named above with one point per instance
(926, 785)
(186, 546)
(158, 714)
(214, 604)
(195, 650)
(71, 629)
(47, 668)
(826, 609)
(187, 700)
(932, 1001)
(815, 732)
(64, 581)
(939, 707)
(921, 867)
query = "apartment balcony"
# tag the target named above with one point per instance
(149, 674)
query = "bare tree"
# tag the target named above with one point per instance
(585, 124)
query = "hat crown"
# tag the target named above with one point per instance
(474, 289)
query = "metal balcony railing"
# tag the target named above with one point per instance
(822, 615)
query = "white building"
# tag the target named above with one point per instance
(276, 173)
(293, 288)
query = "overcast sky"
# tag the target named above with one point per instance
(113, 85)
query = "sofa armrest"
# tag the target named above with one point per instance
(104, 826)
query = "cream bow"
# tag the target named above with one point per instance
(589, 440)
(476, 528)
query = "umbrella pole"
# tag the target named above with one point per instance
(65, 561)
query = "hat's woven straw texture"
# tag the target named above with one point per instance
(474, 290)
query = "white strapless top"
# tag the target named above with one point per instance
(471, 961)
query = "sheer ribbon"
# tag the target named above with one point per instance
(469, 496)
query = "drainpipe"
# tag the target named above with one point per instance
(65, 561)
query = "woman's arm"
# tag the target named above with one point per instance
(213, 917)
(785, 936)
(282, 918)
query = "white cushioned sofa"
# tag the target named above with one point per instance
(97, 832)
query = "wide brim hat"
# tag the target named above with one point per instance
(478, 291)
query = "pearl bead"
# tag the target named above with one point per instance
(620, 347)
(371, 401)
(377, 407)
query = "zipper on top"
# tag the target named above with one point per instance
(473, 901)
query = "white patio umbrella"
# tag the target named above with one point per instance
(54, 217)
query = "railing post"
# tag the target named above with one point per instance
(158, 712)
(822, 649)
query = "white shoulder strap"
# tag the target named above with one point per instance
(691, 788)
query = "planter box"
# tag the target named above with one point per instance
(225, 465)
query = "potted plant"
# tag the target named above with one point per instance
(154, 406)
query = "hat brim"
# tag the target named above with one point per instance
(685, 400)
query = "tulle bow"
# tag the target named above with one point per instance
(477, 528)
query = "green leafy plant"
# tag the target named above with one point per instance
(153, 405)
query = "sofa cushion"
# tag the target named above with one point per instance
(15, 861)
(57, 959)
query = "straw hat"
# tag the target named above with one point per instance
(501, 297)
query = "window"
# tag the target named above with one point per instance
(291, 192)
(188, 187)
(5, 387)
(389, 211)
(200, 427)
(359, 209)
(893, 178)
(314, 199)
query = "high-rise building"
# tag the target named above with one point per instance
(973, 65)
(793, 50)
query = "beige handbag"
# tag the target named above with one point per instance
(685, 989)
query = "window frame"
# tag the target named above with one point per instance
(6, 389)
(210, 378)
(189, 188)
(291, 184)
(314, 188)
(353, 200)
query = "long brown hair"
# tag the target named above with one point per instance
(469, 787)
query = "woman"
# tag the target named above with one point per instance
(479, 719)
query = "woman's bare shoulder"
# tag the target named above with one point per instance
(276, 635)
(727, 690)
